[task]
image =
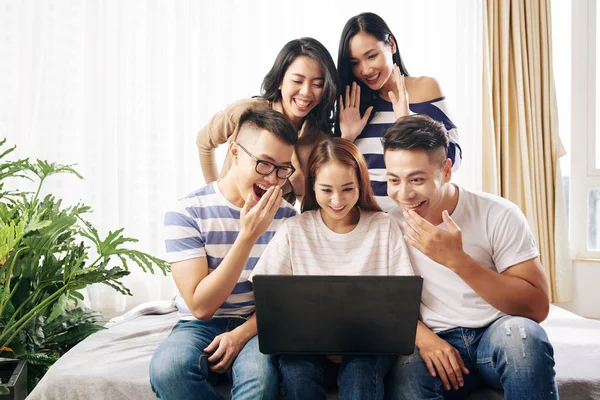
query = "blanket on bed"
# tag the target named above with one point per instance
(113, 363)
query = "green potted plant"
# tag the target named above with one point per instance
(48, 253)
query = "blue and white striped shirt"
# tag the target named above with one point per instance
(369, 142)
(206, 224)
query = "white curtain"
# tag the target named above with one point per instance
(121, 88)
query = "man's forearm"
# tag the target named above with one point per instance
(424, 334)
(215, 288)
(509, 294)
(248, 329)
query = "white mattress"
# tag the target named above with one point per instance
(113, 363)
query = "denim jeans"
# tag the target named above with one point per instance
(512, 353)
(179, 369)
(304, 376)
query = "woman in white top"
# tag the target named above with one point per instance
(341, 231)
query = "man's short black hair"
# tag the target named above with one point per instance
(418, 132)
(269, 120)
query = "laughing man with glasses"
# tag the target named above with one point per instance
(214, 238)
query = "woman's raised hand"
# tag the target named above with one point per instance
(400, 103)
(351, 123)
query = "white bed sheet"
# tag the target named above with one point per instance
(113, 363)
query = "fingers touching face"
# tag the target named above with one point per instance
(260, 146)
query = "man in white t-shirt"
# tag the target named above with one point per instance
(484, 288)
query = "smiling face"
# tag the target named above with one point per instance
(301, 88)
(416, 181)
(265, 146)
(371, 60)
(336, 191)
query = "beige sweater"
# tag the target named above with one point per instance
(223, 125)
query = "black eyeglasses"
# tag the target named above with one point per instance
(265, 168)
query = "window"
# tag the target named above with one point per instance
(576, 62)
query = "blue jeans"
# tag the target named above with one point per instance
(361, 378)
(512, 353)
(179, 369)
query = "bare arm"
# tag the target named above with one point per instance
(520, 290)
(248, 329)
(204, 293)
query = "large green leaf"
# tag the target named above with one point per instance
(10, 235)
(12, 169)
(43, 359)
(59, 308)
(70, 319)
(43, 169)
(76, 334)
(46, 236)
(93, 275)
(45, 259)
(111, 246)
(8, 309)
(74, 261)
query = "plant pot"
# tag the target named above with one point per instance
(14, 376)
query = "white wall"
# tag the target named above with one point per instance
(586, 290)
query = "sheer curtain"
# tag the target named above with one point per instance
(121, 88)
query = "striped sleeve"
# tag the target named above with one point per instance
(276, 259)
(183, 238)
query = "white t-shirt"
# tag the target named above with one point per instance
(304, 245)
(496, 234)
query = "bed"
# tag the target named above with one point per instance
(113, 363)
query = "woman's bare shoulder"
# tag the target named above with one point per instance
(422, 88)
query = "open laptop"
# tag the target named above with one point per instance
(337, 315)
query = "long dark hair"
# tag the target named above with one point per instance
(344, 152)
(375, 25)
(321, 117)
